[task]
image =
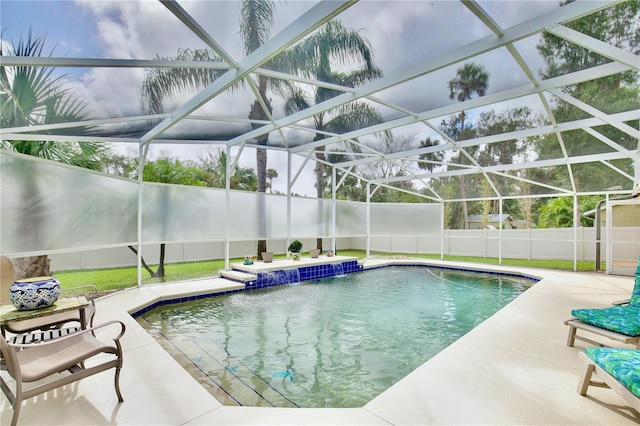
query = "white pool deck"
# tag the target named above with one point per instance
(515, 368)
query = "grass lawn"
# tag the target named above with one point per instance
(108, 280)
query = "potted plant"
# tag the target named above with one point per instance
(294, 249)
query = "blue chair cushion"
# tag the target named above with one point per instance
(621, 319)
(635, 296)
(623, 364)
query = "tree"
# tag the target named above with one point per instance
(507, 152)
(255, 27)
(313, 58)
(271, 175)
(214, 165)
(618, 25)
(119, 165)
(171, 171)
(558, 212)
(470, 79)
(428, 161)
(387, 143)
(32, 96)
(256, 20)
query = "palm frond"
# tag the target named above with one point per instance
(32, 96)
(161, 84)
(333, 44)
(256, 21)
(353, 116)
(297, 101)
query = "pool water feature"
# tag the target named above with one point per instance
(279, 277)
(337, 270)
(334, 342)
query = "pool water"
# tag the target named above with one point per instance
(335, 342)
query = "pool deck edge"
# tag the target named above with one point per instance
(512, 368)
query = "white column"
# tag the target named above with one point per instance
(609, 233)
(368, 220)
(227, 185)
(288, 201)
(333, 208)
(442, 219)
(576, 223)
(142, 151)
(500, 236)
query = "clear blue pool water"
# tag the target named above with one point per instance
(335, 342)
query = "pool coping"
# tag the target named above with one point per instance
(237, 287)
(510, 369)
(175, 351)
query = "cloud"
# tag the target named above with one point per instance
(403, 34)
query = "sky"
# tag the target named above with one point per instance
(401, 33)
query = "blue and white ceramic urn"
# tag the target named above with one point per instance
(34, 293)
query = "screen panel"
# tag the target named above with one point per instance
(405, 219)
(49, 206)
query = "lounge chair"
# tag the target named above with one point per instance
(618, 368)
(620, 322)
(69, 353)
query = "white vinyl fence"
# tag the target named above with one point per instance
(86, 220)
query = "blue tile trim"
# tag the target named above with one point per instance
(305, 273)
(183, 299)
(269, 279)
(309, 273)
(240, 281)
(461, 269)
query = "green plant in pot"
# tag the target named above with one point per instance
(294, 248)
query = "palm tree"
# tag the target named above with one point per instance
(429, 159)
(470, 79)
(255, 27)
(32, 96)
(214, 165)
(256, 21)
(346, 47)
(309, 58)
(271, 175)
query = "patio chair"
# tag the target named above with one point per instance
(52, 326)
(620, 322)
(618, 368)
(69, 353)
(7, 277)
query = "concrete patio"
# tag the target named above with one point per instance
(513, 369)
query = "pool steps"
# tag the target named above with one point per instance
(279, 272)
(238, 276)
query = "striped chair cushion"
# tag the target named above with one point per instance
(42, 336)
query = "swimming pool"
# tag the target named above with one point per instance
(335, 342)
